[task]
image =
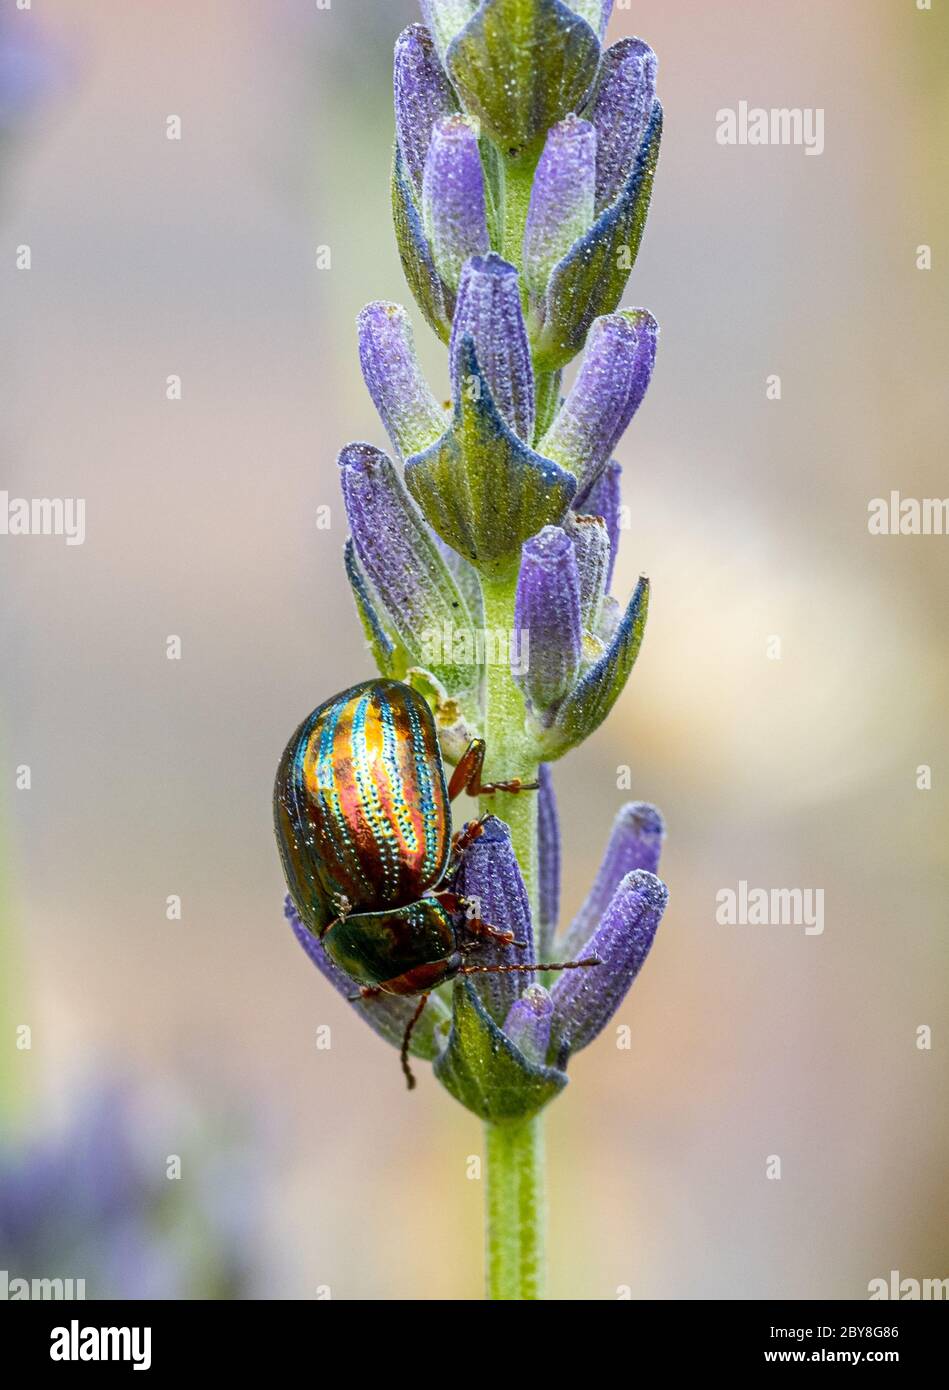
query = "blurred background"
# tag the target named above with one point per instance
(302, 1169)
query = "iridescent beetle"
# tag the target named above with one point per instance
(363, 823)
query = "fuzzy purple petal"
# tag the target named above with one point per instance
(611, 383)
(528, 1023)
(453, 199)
(585, 1000)
(636, 841)
(423, 94)
(490, 878)
(547, 619)
(605, 499)
(562, 200)
(489, 311)
(412, 416)
(416, 594)
(620, 110)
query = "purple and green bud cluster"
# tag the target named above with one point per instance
(523, 168)
(501, 1045)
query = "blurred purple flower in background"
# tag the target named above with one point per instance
(32, 68)
(96, 1200)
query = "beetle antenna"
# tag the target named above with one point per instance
(407, 1038)
(535, 965)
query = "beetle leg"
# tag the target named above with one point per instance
(462, 839)
(467, 776)
(535, 965)
(455, 903)
(367, 992)
(407, 1038)
(343, 907)
(501, 935)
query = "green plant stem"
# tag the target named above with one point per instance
(547, 393)
(509, 750)
(515, 1203)
(518, 181)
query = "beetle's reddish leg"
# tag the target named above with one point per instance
(468, 770)
(535, 965)
(367, 992)
(501, 935)
(455, 903)
(465, 837)
(467, 776)
(343, 907)
(407, 1038)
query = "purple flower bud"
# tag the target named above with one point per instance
(411, 414)
(423, 95)
(591, 544)
(635, 843)
(528, 1023)
(612, 381)
(548, 863)
(446, 18)
(490, 879)
(388, 1014)
(600, 685)
(389, 655)
(489, 311)
(605, 499)
(620, 109)
(562, 200)
(417, 595)
(547, 617)
(453, 199)
(585, 1000)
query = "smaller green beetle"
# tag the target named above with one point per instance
(363, 824)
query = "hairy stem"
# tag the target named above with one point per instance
(518, 181)
(514, 1252)
(515, 1178)
(509, 750)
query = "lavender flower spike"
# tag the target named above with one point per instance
(453, 200)
(636, 841)
(585, 1000)
(562, 200)
(547, 617)
(411, 414)
(609, 389)
(489, 310)
(423, 95)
